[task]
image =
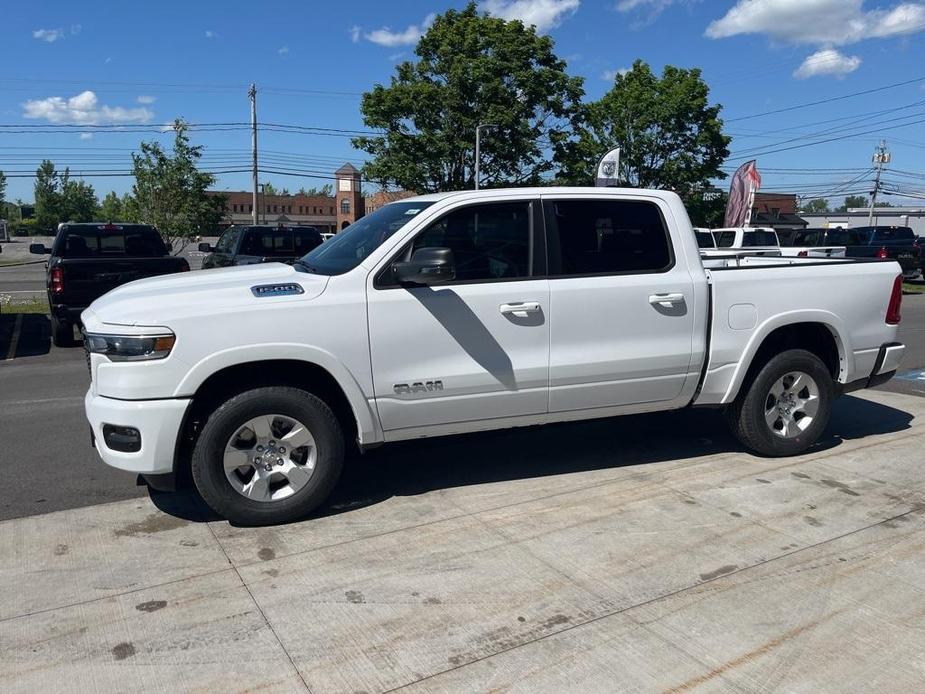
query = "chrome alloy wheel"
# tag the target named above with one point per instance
(792, 404)
(270, 458)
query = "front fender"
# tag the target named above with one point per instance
(368, 428)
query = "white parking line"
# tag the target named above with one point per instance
(14, 340)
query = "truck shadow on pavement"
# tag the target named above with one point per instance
(417, 467)
(24, 335)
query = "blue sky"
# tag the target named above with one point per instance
(142, 65)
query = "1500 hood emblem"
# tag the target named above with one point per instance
(285, 289)
(417, 387)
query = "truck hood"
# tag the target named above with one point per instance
(156, 301)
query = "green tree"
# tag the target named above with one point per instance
(327, 190)
(130, 211)
(2, 193)
(816, 205)
(852, 201)
(471, 69)
(47, 197)
(269, 189)
(171, 193)
(707, 210)
(669, 134)
(111, 208)
(78, 200)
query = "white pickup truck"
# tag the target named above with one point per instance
(467, 311)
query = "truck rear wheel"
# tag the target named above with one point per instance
(268, 455)
(786, 406)
(62, 333)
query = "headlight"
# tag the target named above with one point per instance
(130, 347)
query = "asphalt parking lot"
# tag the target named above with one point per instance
(640, 553)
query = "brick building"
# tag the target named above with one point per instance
(776, 210)
(327, 213)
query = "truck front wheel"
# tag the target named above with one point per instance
(786, 406)
(268, 455)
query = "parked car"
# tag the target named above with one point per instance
(756, 240)
(327, 235)
(886, 243)
(248, 245)
(816, 243)
(467, 311)
(88, 260)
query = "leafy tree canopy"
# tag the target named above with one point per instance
(171, 193)
(471, 69)
(816, 205)
(669, 133)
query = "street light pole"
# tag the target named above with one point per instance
(478, 130)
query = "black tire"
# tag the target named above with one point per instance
(207, 459)
(747, 414)
(62, 333)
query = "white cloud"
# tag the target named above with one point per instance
(86, 136)
(543, 14)
(75, 29)
(386, 37)
(827, 61)
(820, 22)
(283, 50)
(144, 99)
(83, 109)
(611, 75)
(210, 34)
(355, 32)
(48, 35)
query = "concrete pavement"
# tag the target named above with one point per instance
(622, 556)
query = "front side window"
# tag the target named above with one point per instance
(606, 237)
(228, 241)
(489, 242)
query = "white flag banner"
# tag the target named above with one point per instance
(608, 169)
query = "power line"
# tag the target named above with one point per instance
(827, 101)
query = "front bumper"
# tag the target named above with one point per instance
(158, 421)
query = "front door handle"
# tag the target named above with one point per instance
(520, 309)
(666, 300)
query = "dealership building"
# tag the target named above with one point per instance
(913, 217)
(327, 213)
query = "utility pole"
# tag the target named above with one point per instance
(478, 130)
(881, 157)
(252, 94)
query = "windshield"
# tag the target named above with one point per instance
(350, 247)
(751, 239)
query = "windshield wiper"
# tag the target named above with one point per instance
(306, 267)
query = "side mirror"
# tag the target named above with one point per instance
(39, 249)
(427, 266)
(206, 247)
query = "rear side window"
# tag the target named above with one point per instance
(806, 238)
(268, 243)
(705, 239)
(591, 237)
(894, 234)
(836, 237)
(102, 242)
(752, 239)
(725, 239)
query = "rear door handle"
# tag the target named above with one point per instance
(520, 309)
(666, 300)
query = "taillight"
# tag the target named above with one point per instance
(803, 254)
(893, 311)
(57, 280)
(882, 254)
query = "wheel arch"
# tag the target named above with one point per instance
(817, 332)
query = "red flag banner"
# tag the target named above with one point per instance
(745, 181)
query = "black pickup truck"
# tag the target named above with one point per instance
(885, 242)
(247, 245)
(87, 260)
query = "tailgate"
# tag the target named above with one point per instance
(86, 279)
